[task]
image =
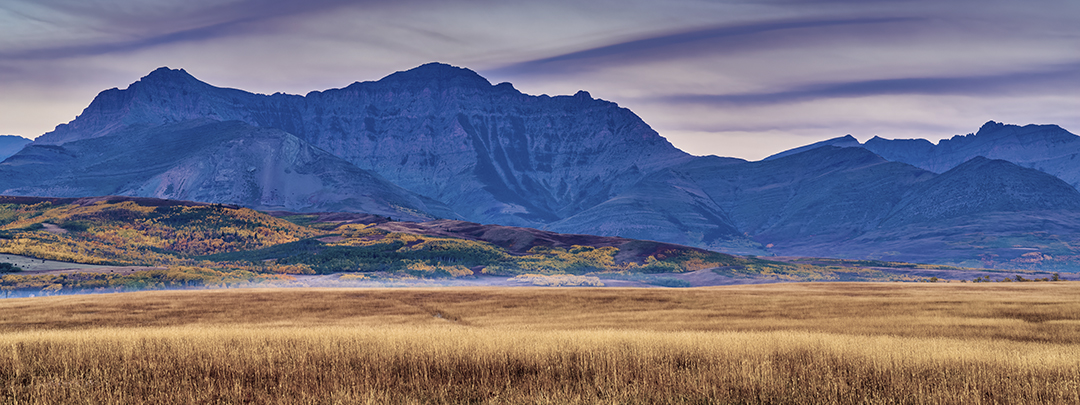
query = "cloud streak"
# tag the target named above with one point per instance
(1032, 81)
(666, 44)
(705, 73)
(157, 29)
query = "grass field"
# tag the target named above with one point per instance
(782, 343)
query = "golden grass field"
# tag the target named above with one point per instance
(807, 343)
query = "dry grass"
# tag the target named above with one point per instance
(794, 343)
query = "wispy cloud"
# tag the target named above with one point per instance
(1055, 78)
(118, 30)
(692, 42)
(106, 47)
(719, 72)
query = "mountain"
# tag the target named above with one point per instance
(10, 145)
(205, 160)
(980, 186)
(665, 206)
(982, 213)
(439, 141)
(826, 194)
(842, 142)
(1048, 148)
(491, 153)
(851, 203)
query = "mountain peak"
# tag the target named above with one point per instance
(166, 75)
(991, 126)
(991, 129)
(164, 79)
(846, 141)
(437, 72)
(997, 132)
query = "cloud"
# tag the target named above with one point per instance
(1055, 79)
(674, 44)
(104, 28)
(754, 131)
(716, 70)
(69, 51)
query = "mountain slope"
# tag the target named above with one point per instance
(845, 141)
(987, 213)
(822, 195)
(205, 160)
(11, 144)
(983, 213)
(850, 203)
(981, 186)
(665, 206)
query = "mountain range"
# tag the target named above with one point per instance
(441, 142)
(1047, 148)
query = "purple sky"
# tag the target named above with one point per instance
(732, 78)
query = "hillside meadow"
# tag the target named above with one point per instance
(803, 343)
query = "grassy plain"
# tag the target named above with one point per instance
(801, 343)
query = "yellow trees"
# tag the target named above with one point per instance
(127, 233)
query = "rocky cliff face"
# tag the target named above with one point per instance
(490, 152)
(210, 161)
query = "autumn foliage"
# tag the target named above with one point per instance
(199, 245)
